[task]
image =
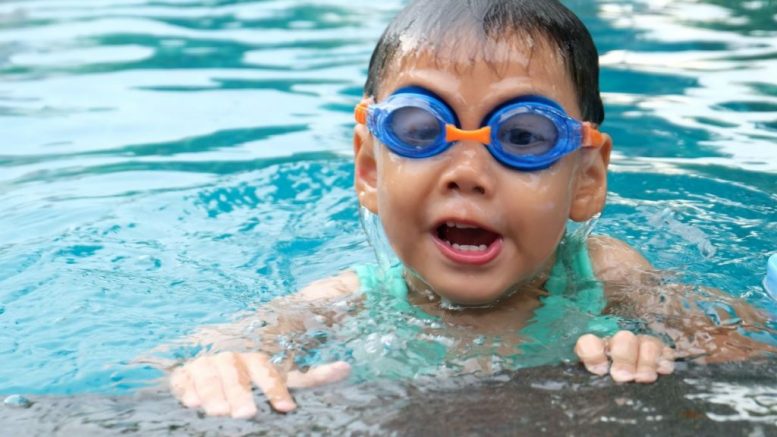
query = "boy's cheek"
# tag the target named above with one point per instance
(398, 206)
(394, 170)
(402, 184)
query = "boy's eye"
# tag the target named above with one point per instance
(528, 134)
(416, 127)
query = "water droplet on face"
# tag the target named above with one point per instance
(17, 401)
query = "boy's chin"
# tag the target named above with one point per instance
(471, 296)
(464, 289)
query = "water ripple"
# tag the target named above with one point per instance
(169, 163)
(730, 62)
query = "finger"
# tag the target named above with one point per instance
(207, 382)
(592, 352)
(321, 375)
(650, 350)
(236, 385)
(624, 352)
(666, 361)
(264, 374)
(182, 386)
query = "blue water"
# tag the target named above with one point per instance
(170, 164)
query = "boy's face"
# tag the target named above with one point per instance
(418, 200)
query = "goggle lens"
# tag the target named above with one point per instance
(526, 134)
(417, 128)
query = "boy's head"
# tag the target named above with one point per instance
(467, 30)
(471, 223)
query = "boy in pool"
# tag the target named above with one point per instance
(477, 140)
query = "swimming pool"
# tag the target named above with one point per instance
(172, 164)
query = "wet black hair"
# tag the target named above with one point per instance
(433, 21)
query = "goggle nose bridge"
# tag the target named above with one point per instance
(454, 134)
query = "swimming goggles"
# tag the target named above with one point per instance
(528, 133)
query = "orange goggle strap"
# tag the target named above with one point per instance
(362, 109)
(592, 137)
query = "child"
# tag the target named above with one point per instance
(477, 140)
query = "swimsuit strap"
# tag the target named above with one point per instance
(571, 308)
(386, 289)
(574, 261)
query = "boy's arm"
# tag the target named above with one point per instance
(633, 287)
(221, 384)
(283, 315)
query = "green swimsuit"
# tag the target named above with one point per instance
(573, 307)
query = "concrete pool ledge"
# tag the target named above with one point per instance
(731, 400)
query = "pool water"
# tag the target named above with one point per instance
(171, 164)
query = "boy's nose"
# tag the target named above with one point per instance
(469, 170)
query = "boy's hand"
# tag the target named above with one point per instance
(221, 384)
(626, 357)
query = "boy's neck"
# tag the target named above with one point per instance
(504, 318)
(421, 294)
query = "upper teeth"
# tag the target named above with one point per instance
(460, 226)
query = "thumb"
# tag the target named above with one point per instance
(320, 375)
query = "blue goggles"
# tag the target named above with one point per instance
(528, 133)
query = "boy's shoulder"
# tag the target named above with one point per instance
(342, 285)
(614, 260)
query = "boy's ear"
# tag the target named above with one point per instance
(365, 168)
(591, 192)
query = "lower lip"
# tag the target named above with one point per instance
(470, 258)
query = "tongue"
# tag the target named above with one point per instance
(468, 237)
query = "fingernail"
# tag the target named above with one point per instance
(646, 377)
(665, 366)
(599, 369)
(191, 400)
(340, 370)
(284, 406)
(245, 412)
(620, 375)
(218, 409)
(342, 366)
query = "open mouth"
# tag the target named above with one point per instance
(467, 244)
